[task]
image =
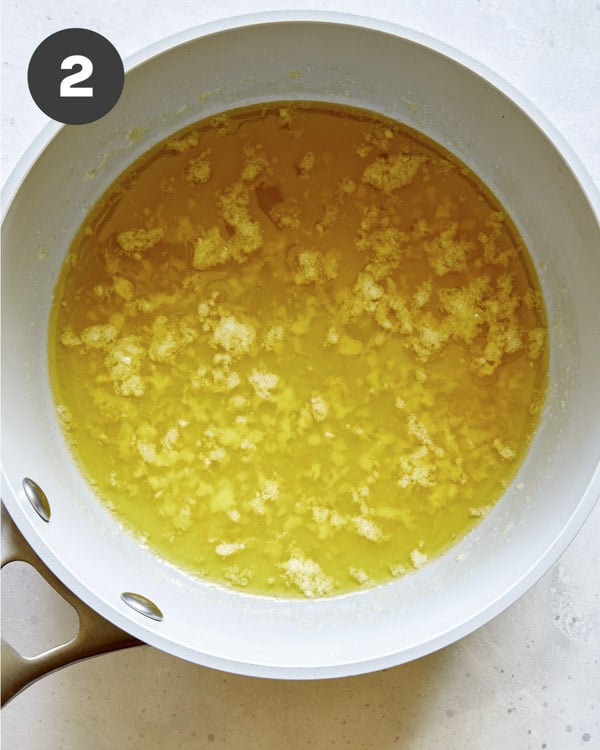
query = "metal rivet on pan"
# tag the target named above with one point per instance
(37, 497)
(142, 604)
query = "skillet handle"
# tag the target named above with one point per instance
(96, 635)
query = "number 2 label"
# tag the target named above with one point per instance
(75, 76)
(68, 84)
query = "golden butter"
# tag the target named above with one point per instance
(298, 349)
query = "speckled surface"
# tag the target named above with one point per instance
(531, 677)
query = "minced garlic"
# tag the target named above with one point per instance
(302, 353)
(199, 170)
(135, 241)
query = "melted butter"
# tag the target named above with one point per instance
(298, 349)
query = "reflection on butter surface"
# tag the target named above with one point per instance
(298, 349)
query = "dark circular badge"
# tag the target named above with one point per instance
(75, 76)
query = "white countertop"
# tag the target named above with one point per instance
(528, 679)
